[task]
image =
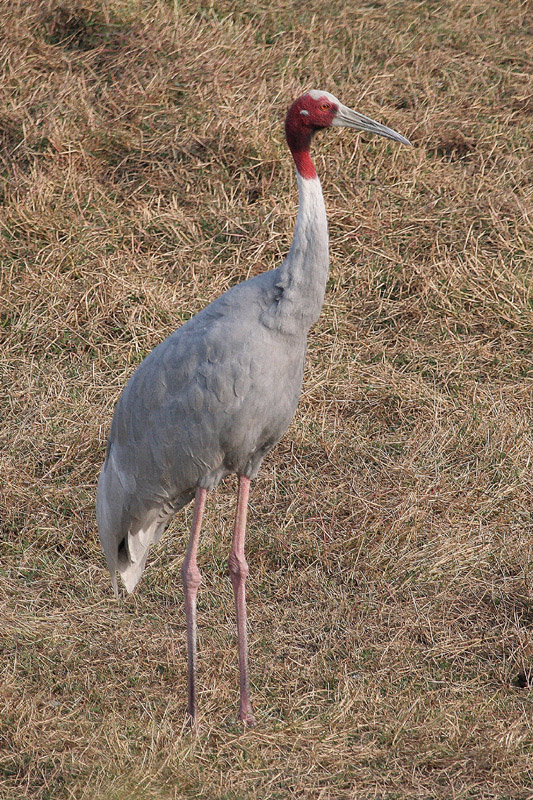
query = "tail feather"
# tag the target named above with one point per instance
(125, 539)
(133, 551)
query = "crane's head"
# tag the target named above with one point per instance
(317, 110)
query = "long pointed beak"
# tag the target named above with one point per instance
(346, 118)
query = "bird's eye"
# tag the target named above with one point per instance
(325, 106)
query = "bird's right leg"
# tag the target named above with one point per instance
(239, 570)
(191, 577)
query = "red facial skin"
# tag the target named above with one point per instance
(299, 129)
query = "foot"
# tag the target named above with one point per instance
(247, 718)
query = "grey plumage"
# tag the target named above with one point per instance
(213, 398)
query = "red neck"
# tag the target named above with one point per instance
(303, 162)
(299, 137)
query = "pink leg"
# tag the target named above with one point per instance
(190, 575)
(238, 571)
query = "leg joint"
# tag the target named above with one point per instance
(238, 566)
(190, 576)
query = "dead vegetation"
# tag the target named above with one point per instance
(142, 172)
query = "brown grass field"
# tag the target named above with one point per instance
(143, 171)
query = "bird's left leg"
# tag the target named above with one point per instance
(191, 577)
(239, 570)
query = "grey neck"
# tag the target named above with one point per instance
(303, 275)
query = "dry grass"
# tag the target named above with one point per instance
(143, 171)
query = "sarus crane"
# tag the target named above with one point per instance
(217, 395)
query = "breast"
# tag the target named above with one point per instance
(267, 404)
